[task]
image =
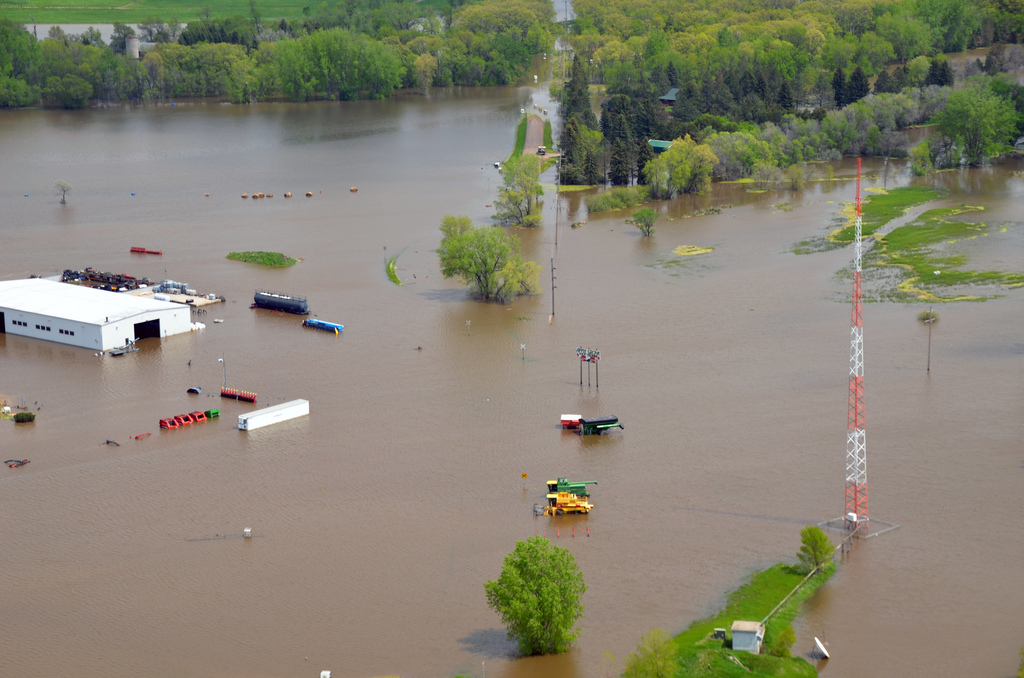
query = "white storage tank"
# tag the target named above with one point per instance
(273, 415)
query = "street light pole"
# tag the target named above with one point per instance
(224, 367)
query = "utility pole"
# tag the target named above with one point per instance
(553, 288)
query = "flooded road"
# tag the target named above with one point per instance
(378, 517)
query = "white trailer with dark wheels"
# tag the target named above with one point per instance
(273, 415)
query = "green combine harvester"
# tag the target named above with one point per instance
(563, 485)
(598, 425)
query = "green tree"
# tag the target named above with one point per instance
(953, 22)
(815, 547)
(857, 88)
(539, 596)
(785, 96)
(738, 152)
(119, 36)
(517, 196)
(70, 91)
(426, 66)
(517, 277)
(487, 258)
(654, 656)
(686, 167)
(620, 170)
(883, 84)
(917, 70)
(921, 159)
(62, 188)
(644, 155)
(839, 87)
(979, 123)
(909, 35)
(577, 96)
(644, 219)
(795, 177)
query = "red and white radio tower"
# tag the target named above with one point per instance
(856, 445)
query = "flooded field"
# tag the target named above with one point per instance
(378, 517)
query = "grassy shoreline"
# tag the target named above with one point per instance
(698, 655)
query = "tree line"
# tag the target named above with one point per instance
(357, 49)
(765, 86)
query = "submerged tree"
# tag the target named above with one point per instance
(653, 657)
(686, 167)
(815, 547)
(62, 188)
(644, 219)
(539, 596)
(517, 196)
(487, 258)
(977, 123)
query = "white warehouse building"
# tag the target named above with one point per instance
(81, 316)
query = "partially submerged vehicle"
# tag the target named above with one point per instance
(565, 496)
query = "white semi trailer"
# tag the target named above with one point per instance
(273, 415)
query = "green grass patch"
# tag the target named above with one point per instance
(392, 273)
(565, 189)
(549, 141)
(520, 137)
(617, 198)
(105, 12)
(274, 259)
(699, 655)
(880, 209)
(923, 248)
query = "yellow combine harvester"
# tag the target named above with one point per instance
(566, 502)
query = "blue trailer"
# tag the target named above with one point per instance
(316, 324)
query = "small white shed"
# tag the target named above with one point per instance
(747, 636)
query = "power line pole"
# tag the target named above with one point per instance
(553, 288)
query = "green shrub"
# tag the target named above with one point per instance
(24, 417)
(782, 643)
(618, 198)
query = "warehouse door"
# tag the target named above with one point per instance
(3, 323)
(150, 328)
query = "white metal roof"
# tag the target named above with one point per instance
(75, 303)
(748, 626)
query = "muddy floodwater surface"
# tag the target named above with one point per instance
(378, 518)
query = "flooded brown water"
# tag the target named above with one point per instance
(379, 516)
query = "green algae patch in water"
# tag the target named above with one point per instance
(690, 250)
(272, 259)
